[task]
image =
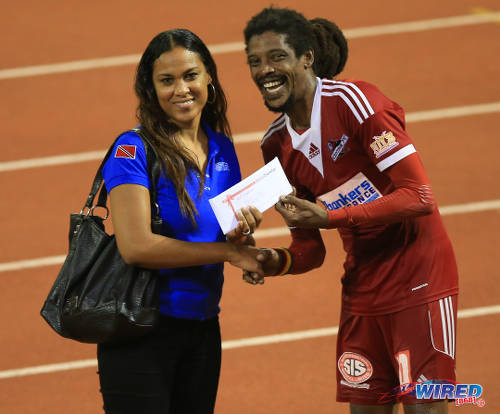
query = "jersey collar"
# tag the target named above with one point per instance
(309, 142)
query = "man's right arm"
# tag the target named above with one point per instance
(306, 251)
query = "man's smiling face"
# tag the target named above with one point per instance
(276, 70)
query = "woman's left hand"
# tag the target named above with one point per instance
(249, 218)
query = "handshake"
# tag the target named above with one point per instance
(257, 263)
(271, 264)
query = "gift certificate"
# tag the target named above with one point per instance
(262, 190)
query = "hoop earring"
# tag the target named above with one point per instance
(214, 94)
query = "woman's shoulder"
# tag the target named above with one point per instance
(221, 139)
(128, 144)
(127, 162)
(129, 136)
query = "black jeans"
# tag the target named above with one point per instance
(174, 370)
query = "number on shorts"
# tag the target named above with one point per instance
(403, 359)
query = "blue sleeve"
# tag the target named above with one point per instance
(127, 163)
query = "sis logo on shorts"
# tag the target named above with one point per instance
(358, 190)
(355, 368)
(383, 143)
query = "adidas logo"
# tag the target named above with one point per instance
(313, 150)
(422, 379)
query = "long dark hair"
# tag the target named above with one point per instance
(175, 159)
(320, 35)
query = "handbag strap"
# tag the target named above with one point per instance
(153, 172)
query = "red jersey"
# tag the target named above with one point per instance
(356, 134)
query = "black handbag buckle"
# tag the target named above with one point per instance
(91, 210)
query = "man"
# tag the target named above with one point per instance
(344, 145)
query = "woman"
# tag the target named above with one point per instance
(343, 145)
(182, 110)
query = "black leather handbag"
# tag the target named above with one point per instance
(97, 297)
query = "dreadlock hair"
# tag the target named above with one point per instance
(175, 159)
(320, 35)
(330, 51)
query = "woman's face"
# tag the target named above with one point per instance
(181, 83)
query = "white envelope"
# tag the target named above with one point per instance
(262, 189)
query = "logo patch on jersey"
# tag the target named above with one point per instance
(125, 151)
(358, 190)
(355, 368)
(383, 143)
(313, 151)
(337, 147)
(222, 166)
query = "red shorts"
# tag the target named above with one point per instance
(378, 354)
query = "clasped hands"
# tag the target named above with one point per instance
(297, 213)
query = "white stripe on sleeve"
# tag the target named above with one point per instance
(397, 156)
(347, 101)
(360, 93)
(352, 95)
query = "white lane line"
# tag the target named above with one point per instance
(232, 344)
(52, 160)
(405, 27)
(271, 232)
(470, 207)
(255, 136)
(419, 116)
(45, 369)
(31, 263)
(423, 25)
(97, 63)
(453, 112)
(284, 337)
(474, 312)
(482, 10)
(259, 234)
(73, 66)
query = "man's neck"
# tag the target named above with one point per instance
(300, 114)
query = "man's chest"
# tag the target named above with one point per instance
(327, 163)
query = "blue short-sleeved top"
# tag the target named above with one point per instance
(187, 292)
